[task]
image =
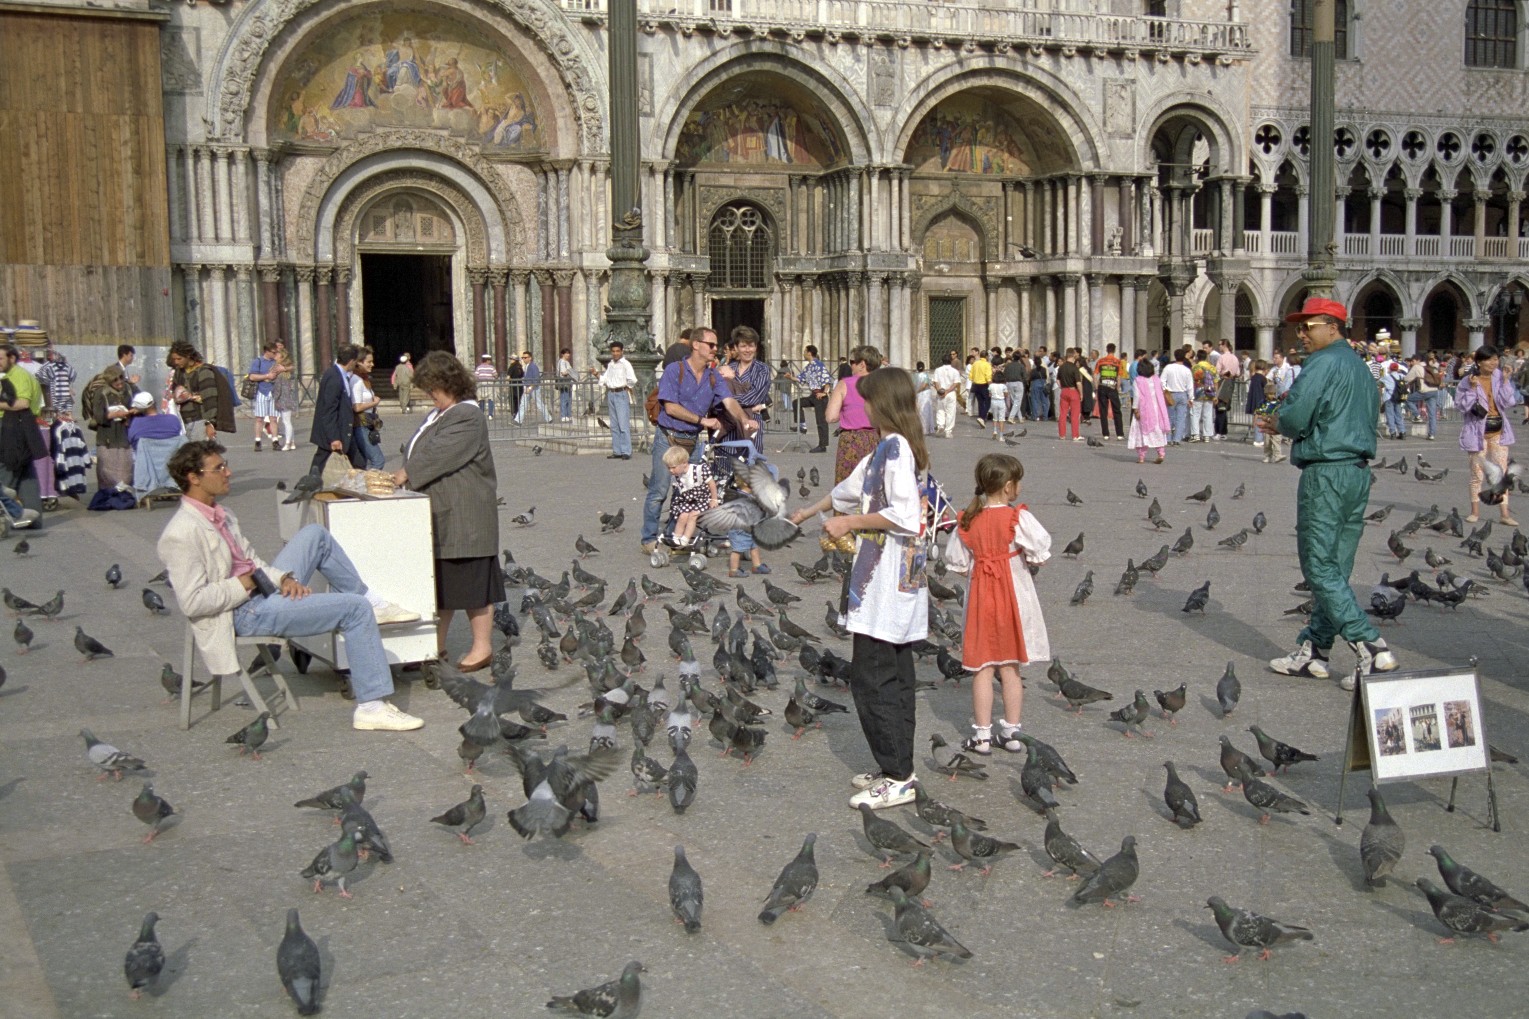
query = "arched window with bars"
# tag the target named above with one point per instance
(742, 248)
(1302, 15)
(1491, 33)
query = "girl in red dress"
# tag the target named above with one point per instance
(997, 541)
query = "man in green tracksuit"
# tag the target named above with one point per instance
(1331, 414)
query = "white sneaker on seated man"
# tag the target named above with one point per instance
(214, 571)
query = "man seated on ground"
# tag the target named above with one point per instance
(154, 437)
(217, 578)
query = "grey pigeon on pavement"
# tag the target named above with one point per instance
(1072, 498)
(1281, 755)
(1228, 690)
(760, 509)
(1180, 799)
(153, 602)
(88, 646)
(1171, 702)
(1464, 881)
(1084, 590)
(618, 999)
(334, 862)
(682, 779)
(1050, 759)
(304, 488)
(1233, 761)
(144, 959)
(331, 799)
(1463, 916)
(973, 846)
(253, 736)
(114, 575)
(151, 810)
(795, 885)
(685, 895)
(466, 815)
(1078, 693)
(1247, 929)
(1198, 599)
(1115, 875)
(1066, 851)
(1268, 799)
(298, 965)
(885, 836)
(1133, 715)
(958, 764)
(1383, 842)
(555, 789)
(1036, 780)
(108, 758)
(921, 932)
(937, 815)
(913, 877)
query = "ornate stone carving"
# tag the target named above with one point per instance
(305, 273)
(180, 52)
(542, 21)
(771, 199)
(438, 187)
(563, 277)
(927, 208)
(384, 141)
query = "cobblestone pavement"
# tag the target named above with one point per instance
(496, 928)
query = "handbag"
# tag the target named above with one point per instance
(1168, 398)
(1493, 424)
(248, 388)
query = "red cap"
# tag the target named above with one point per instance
(1319, 306)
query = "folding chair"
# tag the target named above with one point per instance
(245, 679)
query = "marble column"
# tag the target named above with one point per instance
(1476, 333)
(1263, 337)
(265, 213)
(1302, 217)
(1239, 216)
(1096, 311)
(500, 277)
(1023, 284)
(478, 278)
(324, 284)
(222, 196)
(905, 240)
(1409, 328)
(1447, 198)
(1479, 225)
(1096, 225)
(1266, 219)
(519, 280)
(813, 298)
(547, 355)
(1129, 340)
(305, 341)
(244, 316)
(1143, 306)
(661, 326)
(1225, 241)
(1127, 216)
(270, 303)
(218, 349)
(175, 193)
(1375, 195)
(206, 207)
(1515, 213)
(870, 218)
(342, 305)
(1226, 292)
(1028, 235)
(191, 288)
(240, 158)
(564, 280)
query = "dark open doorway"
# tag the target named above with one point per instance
(406, 302)
(728, 313)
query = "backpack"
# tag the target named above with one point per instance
(227, 398)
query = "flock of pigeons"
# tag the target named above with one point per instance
(753, 640)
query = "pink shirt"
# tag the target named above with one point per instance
(1227, 365)
(218, 517)
(852, 411)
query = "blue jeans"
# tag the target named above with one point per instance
(620, 407)
(659, 481)
(344, 608)
(1430, 404)
(487, 403)
(361, 441)
(1040, 403)
(1396, 423)
(565, 401)
(532, 393)
(1179, 415)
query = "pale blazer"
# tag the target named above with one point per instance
(199, 562)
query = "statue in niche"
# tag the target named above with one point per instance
(403, 220)
(1113, 244)
(883, 79)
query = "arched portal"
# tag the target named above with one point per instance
(740, 241)
(1445, 310)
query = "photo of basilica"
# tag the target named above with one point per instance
(919, 176)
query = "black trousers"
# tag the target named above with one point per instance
(984, 402)
(881, 682)
(819, 405)
(1109, 403)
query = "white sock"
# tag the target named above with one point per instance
(369, 705)
(1007, 727)
(982, 732)
(375, 600)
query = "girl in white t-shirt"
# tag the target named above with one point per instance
(886, 603)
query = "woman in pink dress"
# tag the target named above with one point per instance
(1149, 414)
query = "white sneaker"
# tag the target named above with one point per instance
(866, 779)
(384, 718)
(27, 519)
(388, 613)
(888, 792)
(1306, 660)
(1373, 656)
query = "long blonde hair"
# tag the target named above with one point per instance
(892, 407)
(994, 471)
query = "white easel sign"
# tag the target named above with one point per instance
(1423, 724)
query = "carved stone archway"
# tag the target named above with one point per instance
(464, 212)
(982, 211)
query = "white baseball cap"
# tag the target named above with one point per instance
(143, 401)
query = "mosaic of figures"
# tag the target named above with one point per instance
(760, 122)
(968, 135)
(404, 70)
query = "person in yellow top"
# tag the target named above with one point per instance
(1107, 374)
(1202, 409)
(982, 376)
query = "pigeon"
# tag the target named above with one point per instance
(885, 836)
(298, 965)
(1247, 929)
(114, 576)
(1281, 755)
(144, 959)
(610, 522)
(1115, 875)
(1180, 799)
(921, 932)
(89, 646)
(1235, 541)
(21, 547)
(685, 895)
(1084, 589)
(1384, 605)
(1095, 443)
(1155, 562)
(795, 885)
(1155, 517)
(973, 846)
(1141, 489)
(1133, 714)
(334, 862)
(1212, 518)
(1259, 522)
(779, 595)
(465, 815)
(958, 764)
(950, 666)
(912, 877)
(151, 810)
(1463, 916)
(1171, 702)
(813, 702)
(584, 548)
(1241, 491)
(937, 815)
(1228, 690)
(1397, 547)
(162, 577)
(555, 789)
(1185, 542)
(1466, 882)
(1128, 579)
(1268, 799)
(1419, 473)
(799, 718)
(304, 489)
(1203, 495)
(108, 758)
(617, 999)
(1233, 761)
(1400, 466)
(760, 509)
(1074, 547)
(814, 478)
(23, 635)
(335, 799)
(525, 519)
(647, 774)
(1065, 851)
(1072, 498)
(52, 607)
(1198, 599)
(1383, 842)
(253, 736)
(1078, 694)
(153, 602)
(682, 777)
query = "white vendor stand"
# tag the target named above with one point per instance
(388, 538)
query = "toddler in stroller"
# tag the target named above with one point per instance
(698, 487)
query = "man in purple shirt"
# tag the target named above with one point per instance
(687, 392)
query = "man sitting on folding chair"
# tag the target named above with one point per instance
(218, 580)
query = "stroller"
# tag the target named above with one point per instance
(723, 457)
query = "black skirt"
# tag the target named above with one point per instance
(468, 583)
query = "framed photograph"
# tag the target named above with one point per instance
(1422, 724)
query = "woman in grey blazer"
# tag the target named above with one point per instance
(449, 460)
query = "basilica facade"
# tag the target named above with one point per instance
(925, 176)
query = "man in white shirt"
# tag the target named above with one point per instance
(565, 384)
(1178, 383)
(619, 381)
(947, 382)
